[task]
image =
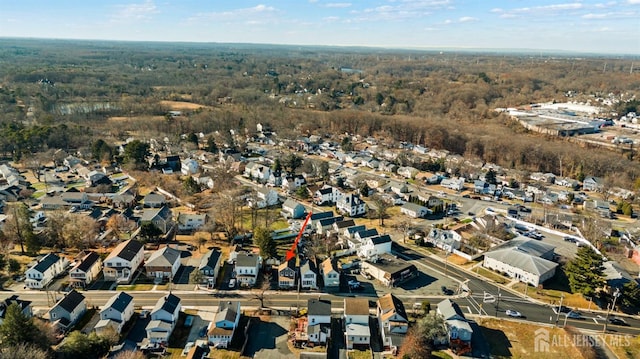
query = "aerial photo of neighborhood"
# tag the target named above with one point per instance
(243, 199)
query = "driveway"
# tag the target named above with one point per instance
(268, 340)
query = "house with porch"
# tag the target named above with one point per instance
(356, 320)
(85, 271)
(318, 320)
(287, 273)
(210, 266)
(459, 330)
(44, 271)
(330, 273)
(164, 318)
(115, 313)
(393, 320)
(247, 267)
(224, 324)
(309, 274)
(67, 311)
(123, 261)
(163, 263)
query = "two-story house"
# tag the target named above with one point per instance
(591, 183)
(287, 273)
(161, 217)
(372, 247)
(247, 267)
(115, 313)
(309, 274)
(163, 263)
(85, 271)
(257, 172)
(394, 322)
(330, 273)
(459, 331)
(266, 197)
(210, 266)
(224, 324)
(293, 209)
(447, 240)
(68, 310)
(291, 183)
(123, 261)
(318, 320)
(356, 319)
(24, 305)
(44, 271)
(154, 200)
(351, 205)
(191, 221)
(164, 317)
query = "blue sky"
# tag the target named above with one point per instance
(609, 27)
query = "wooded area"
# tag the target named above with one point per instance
(69, 94)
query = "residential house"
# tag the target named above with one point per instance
(407, 172)
(163, 263)
(318, 320)
(257, 172)
(482, 187)
(293, 209)
(161, 217)
(24, 305)
(247, 267)
(526, 260)
(317, 216)
(326, 224)
(389, 270)
(191, 221)
(118, 310)
(330, 273)
(394, 322)
(456, 184)
(86, 271)
(350, 232)
(568, 182)
(356, 320)
(599, 206)
(338, 227)
(123, 261)
(164, 318)
(210, 266)
(224, 324)
(275, 179)
(327, 195)
(266, 197)
(591, 183)
(309, 274)
(189, 166)
(446, 240)
(459, 331)
(414, 210)
(154, 200)
(351, 205)
(292, 182)
(44, 271)
(615, 276)
(69, 199)
(287, 273)
(68, 310)
(372, 247)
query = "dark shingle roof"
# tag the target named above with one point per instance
(119, 302)
(210, 259)
(367, 233)
(71, 301)
(88, 261)
(170, 304)
(46, 262)
(318, 307)
(130, 250)
(381, 239)
(321, 215)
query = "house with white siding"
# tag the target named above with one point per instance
(164, 318)
(356, 320)
(318, 320)
(68, 310)
(527, 260)
(115, 313)
(393, 320)
(85, 271)
(44, 271)
(224, 324)
(414, 210)
(330, 273)
(123, 261)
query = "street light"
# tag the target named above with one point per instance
(559, 310)
(615, 297)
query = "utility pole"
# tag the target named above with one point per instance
(559, 309)
(498, 302)
(606, 320)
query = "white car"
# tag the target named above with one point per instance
(513, 313)
(232, 283)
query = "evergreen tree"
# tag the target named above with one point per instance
(585, 272)
(211, 145)
(490, 177)
(17, 328)
(262, 237)
(630, 297)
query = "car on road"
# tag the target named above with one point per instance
(232, 283)
(513, 313)
(446, 291)
(563, 310)
(574, 315)
(570, 239)
(618, 321)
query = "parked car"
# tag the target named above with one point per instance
(513, 313)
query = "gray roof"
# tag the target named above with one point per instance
(291, 203)
(150, 213)
(528, 245)
(523, 260)
(88, 261)
(119, 302)
(246, 260)
(46, 262)
(450, 310)
(226, 311)
(307, 266)
(154, 197)
(210, 259)
(413, 207)
(164, 257)
(367, 233)
(318, 307)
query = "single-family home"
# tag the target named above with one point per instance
(68, 310)
(265, 197)
(210, 266)
(330, 273)
(247, 267)
(154, 200)
(287, 273)
(351, 205)
(123, 261)
(189, 166)
(161, 217)
(394, 322)
(389, 270)
(456, 184)
(317, 216)
(293, 209)
(85, 271)
(447, 240)
(459, 331)
(591, 183)
(414, 210)
(163, 263)
(291, 183)
(257, 172)
(356, 320)
(24, 305)
(372, 247)
(602, 208)
(309, 274)
(526, 260)
(115, 313)
(44, 271)
(407, 172)
(68, 199)
(318, 320)
(326, 224)
(224, 324)
(350, 232)
(191, 221)
(164, 318)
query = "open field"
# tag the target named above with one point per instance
(552, 296)
(623, 349)
(131, 118)
(181, 105)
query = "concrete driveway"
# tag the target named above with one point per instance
(268, 340)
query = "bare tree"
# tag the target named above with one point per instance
(260, 294)
(18, 226)
(119, 225)
(381, 207)
(80, 231)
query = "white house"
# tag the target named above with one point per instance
(446, 240)
(293, 209)
(164, 317)
(309, 275)
(24, 305)
(327, 195)
(163, 263)
(86, 271)
(591, 183)
(356, 321)
(43, 272)
(224, 324)
(257, 172)
(68, 310)
(351, 205)
(394, 322)
(318, 320)
(118, 310)
(191, 221)
(459, 331)
(266, 197)
(330, 273)
(407, 172)
(247, 267)
(414, 210)
(373, 247)
(456, 184)
(291, 183)
(189, 166)
(525, 260)
(123, 261)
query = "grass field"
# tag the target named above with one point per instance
(492, 275)
(553, 296)
(623, 347)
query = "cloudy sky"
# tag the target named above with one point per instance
(609, 27)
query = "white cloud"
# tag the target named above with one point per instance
(496, 10)
(136, 11)
(331, 19)
(633, 2)
(546, 10)
(337, 4)
(402, 10)
(594, 16)
(251, 15)
(467, 19)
